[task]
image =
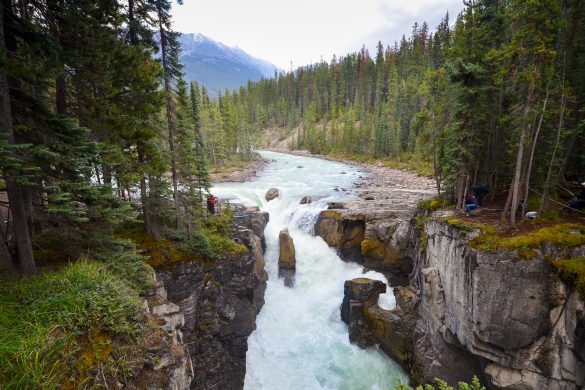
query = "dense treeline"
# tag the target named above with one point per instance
(98, 127)
(497, 99)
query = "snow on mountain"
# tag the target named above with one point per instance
(218, 66)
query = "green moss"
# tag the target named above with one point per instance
(159, 252)
(471, 226)
(572, 271)
(424, 238)
(561, 235)
(432, 204)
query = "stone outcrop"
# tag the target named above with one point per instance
(173, 357)
(167, 361)
(219, 302)
(311, 198)
(287, 258)
(272, 193)
(509, 318)
(510, 321)
(374, 233)
(369, 324)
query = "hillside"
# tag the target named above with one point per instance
(218, 66)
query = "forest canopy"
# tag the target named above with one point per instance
(496, 99)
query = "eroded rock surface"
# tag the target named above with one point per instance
(370, 324)
(310, 199)
(219, 303)
(461, 312)
(511, 318)
(510, 321)
(287, 257)
(374, 233)
(272, 193)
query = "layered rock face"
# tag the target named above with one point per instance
(369, 324)
(168, 364)
(374, 233)
(219, 303)
(461, 312)
(510, 318)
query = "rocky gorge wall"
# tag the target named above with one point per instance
(460, 311)
(216, 305)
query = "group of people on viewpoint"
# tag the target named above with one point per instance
(477, 193)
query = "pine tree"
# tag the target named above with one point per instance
(170, 51)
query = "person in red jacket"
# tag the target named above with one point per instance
(211, 202)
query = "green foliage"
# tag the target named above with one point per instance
(432, 204)
(561, 235)
(43, 320)
(572, 271)
(212, 240)
(442, 385)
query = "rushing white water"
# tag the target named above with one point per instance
(300, 341)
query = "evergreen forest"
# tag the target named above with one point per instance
(107, 154)
(496, 98)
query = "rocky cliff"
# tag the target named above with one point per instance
(461, 311)
(374, 232)
(510, 317)
(218, 302)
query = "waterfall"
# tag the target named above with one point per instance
(300, 341)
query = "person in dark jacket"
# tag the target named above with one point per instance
(470, 203)
(578, 202)
(480, 192)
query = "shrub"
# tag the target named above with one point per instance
(442, 385)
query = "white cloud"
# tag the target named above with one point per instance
(302, 31)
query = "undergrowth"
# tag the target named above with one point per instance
(562, 235)
(572, 271)
(56, 327)
(442, 385)
(207, 241)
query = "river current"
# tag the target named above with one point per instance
(300, 341)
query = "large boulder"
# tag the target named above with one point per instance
(311, 198)
(342, 231)
(272, 194)
(286, 258)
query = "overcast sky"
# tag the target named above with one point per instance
(303, 31)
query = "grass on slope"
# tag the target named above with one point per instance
(56, 328)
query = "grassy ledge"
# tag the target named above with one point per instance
(58, 327)
(564, 235)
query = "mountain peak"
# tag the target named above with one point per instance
(219, 66)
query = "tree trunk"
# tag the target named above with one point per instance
(15, 193)
(172, 126)
(546, 189)
(514, 194)
(435, 166)
(531, 158)
(146, 215)
(5, 256)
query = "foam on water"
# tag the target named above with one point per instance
(300, 341)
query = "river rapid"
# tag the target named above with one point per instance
(300, 341)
